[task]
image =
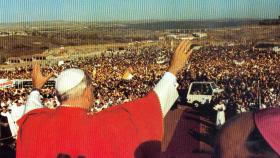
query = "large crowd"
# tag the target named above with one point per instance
(109, 72)
(248, 76)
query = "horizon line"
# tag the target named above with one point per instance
(139, 20)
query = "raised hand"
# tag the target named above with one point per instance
(38, 80)
(180, 57)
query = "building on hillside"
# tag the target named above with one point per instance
(27, 58)
(173, 39)
(13, 60)
(199, 34)
(179, 37)
(38, 57)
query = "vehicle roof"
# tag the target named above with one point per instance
(202, 82)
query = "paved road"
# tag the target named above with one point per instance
(182, 137)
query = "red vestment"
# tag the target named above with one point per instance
(118, 131)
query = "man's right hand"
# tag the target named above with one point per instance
(38, 80)
(180, 57)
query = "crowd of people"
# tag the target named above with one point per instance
(248, 76)
(109, 72)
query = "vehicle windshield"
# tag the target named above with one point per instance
(201, 89)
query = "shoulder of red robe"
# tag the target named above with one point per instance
(34, 112)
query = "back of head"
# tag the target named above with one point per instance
(71, 83)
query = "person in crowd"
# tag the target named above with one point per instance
(11, 121)
(133, 129)
(221, 118)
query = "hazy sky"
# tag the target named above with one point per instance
(106, 10)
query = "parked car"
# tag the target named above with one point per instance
(200, 93)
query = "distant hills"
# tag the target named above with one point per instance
(27, 38)
(146, 25)
(270, 21)
(195, 24)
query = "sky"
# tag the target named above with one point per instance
(127, 10)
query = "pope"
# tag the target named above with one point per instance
(132, 129)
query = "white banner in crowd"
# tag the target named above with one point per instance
(5, 83)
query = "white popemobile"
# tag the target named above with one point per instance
(200, 93)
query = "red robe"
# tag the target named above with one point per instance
(129, 130)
